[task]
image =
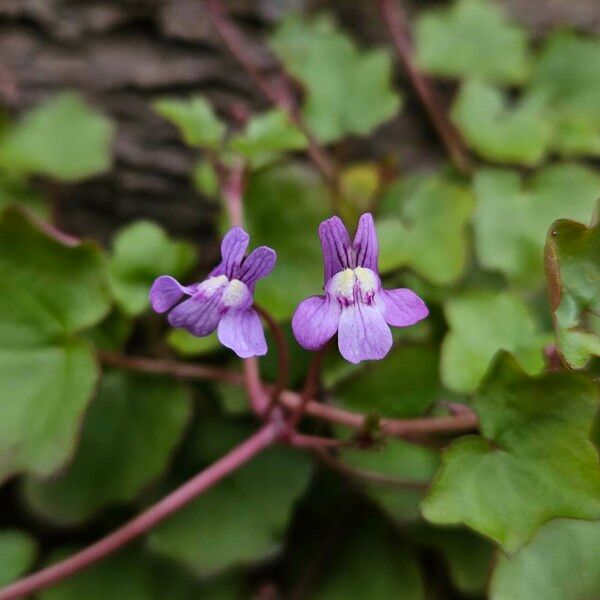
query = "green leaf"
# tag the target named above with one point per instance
(405, 385)
(560, 563)
(481, 323)
(17, 554)
(468, 557)
(195, 119)
(141, 252)
(186, 344)
(17, 191)
(371, 565)
(513, 215)
(49, 292)
(266, 137)
(132, 575)
(566, 80)
(284, 207)
(241, 520)
(472, 38)
(573, 271)
(533, 461)
(398, 460)
(423, 226)
(205, 179)
(128, 437)
(348, 91)
(499, 132)
(61, 138)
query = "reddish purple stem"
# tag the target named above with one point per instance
(263, 438)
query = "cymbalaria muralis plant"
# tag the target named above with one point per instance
(465, 310)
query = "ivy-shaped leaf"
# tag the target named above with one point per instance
(242, 519)
(533, 461)
(128, 437)
(141, 252)
(499, 132)
(573, 271)
(266, 136)
(47, 375)
(565, 80)
(195, 119)
(513, 216)
(348, 91)
(17, 553)
(560, 563)
(422, 225)
(481, 323)
(472, 38)
(61, 138)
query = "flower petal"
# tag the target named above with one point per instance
(233, 247)
(335, 243)
(242, 331)
(199, 315)
(402, 307)
(363, 333)
(315, 321)
(166, 292)
(257, 265)
(365, 243)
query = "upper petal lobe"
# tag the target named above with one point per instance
(365, 243)
(257, 265)
(233, 247)
(335, 243)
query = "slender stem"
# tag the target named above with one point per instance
(176, 369)
(300, 440)
(404, 428)
(311, 385)
(367, 476)
(232, 189)
(254, 387)
(280, 94)
(263, 438)
(395, 19)
(283, 357)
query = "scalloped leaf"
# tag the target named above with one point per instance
(61, 138)
(348, 90)
(472, 38)
(47, 376)
(560, 563)
(500, 132)
(422, 224)
(243, 519)
(128, 438)
(481, 323)
(565, 80)
(195, 119)
(573, 272)
(513, 215)
(532, 462)
(141, 252)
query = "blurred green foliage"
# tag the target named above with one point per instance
(93, 446)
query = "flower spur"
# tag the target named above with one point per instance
(224, 301)
(354, 305)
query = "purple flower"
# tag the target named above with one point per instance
(354, 305)
(224, 300)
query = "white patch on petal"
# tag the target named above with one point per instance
(212, 285)
(341, 286)
(367, 280)
(235, 294)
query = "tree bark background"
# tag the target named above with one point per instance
(122, 55)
